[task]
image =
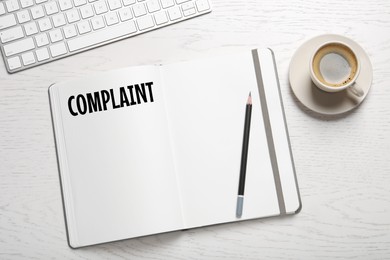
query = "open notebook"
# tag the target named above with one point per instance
(151, 149)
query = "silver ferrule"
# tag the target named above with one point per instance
(240, 204)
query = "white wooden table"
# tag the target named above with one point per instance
(343, 163)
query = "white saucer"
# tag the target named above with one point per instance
(310, 95)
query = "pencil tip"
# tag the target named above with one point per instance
(249, 102)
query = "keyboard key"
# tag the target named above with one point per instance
(37, 12)
(12, 5)
(51, 8)
(202, 5)
(19, 47)
(97, 22)
(41, 39)
(153, 6)
(145, 22)
(114, 4)
(100, 36)
(161, 17)
(40, 1)
(58, 20)
(125, 14)
(2, 8)
(7, 21)
(14, 63)
(65, 4)
(31, 28)
(83, 27)
(11, 34)
(58, 49)
(79, 2)
(55, 35)
(128, 2)
(73, 16)
(187, 6)
(44, 24)
(23, 16)
(28, 58)
(86, 11)
(111, 18)
(100, 7)
(70, 31)
(167, 3)
(139, 10)
(26, 3)
(42, 54)
(174, 13)
(189, 12)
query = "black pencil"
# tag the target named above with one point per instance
(244, 156)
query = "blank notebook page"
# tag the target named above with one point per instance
(207, 132)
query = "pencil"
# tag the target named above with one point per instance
(244, 156)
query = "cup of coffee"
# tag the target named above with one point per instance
(334, 67)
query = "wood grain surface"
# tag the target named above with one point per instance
(343, 162)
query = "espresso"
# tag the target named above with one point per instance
(335, 65)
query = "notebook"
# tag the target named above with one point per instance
(151, 149)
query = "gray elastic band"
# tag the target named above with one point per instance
(268, 131)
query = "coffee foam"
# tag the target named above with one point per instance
(335, 65)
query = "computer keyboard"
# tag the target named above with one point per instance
(33, 32)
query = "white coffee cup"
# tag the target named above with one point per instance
(334, 67)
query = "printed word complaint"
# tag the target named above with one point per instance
(102, 100)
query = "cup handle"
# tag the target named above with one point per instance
(356, 90)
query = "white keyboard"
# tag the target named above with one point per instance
(33, 32)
